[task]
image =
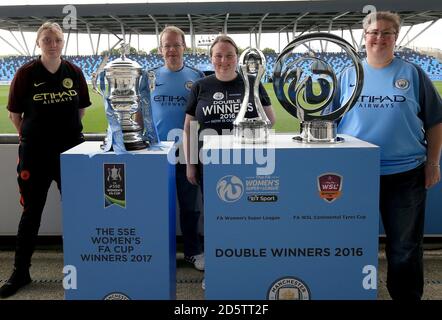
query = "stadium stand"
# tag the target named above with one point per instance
(338, 60)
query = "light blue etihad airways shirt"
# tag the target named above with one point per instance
(169, 97)
(397, 104)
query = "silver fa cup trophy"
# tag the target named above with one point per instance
(255, 129)
(119, 86)
(305, 80)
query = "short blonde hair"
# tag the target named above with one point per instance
(224, 38)
(53, 26)
(173, 29)
(394, 18)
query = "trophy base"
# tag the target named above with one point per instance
(318, 131)
(131, 146)
(251, 132)
(300, 139)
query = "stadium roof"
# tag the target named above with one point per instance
(213, 18)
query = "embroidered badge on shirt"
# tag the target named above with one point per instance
(402, 84)
(188, 85)
(68, 83)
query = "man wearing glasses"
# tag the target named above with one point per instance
(170, 85)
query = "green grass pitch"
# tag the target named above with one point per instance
(95, 120)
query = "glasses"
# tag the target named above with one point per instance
(382, 34)
(172, 46)
(219, 57)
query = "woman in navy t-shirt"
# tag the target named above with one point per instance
(215, 100)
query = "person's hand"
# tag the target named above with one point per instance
(432, 174)
(192, 174)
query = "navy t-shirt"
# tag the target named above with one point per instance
(216, 103)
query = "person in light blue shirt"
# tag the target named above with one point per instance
(400, 111)
(170, 86)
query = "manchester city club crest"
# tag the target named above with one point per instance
(402, 84)
(330, 186)
(116, 296)
(68, 83)
(188, 85)
(288, 288)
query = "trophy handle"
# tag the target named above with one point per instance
(97, 74)
(95, 88)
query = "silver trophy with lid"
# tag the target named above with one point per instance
(306, 85)
(251, 129)
(122, 99)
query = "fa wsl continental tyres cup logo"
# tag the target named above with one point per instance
(330, 186)
(230, 188)
(288, 288)
(114, 184)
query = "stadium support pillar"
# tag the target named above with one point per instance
(98, 43)
(90, 37)
(258, 42)
(24, 41)
(295, 26)
(360, 42)
(21, 53)
(16, 40)
(279, 42)
(405, 35)
(157, 33)
(78, 48)
(330, 25)
(123, 32)
(355, 44)
(425, 29)
(342, 36)
(67, 42)
(192, 34)
(225, 22)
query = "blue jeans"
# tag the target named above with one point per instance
(402, 207)
(189, 214)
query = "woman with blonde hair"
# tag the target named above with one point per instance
(46, 102)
